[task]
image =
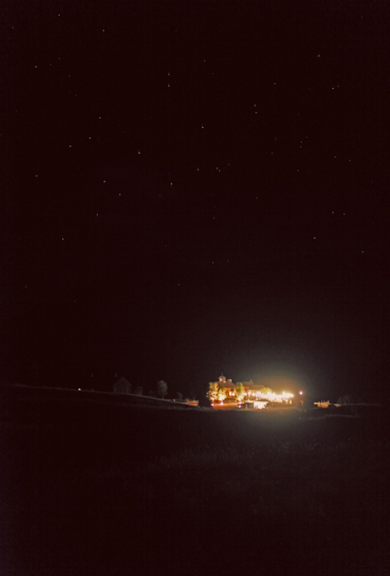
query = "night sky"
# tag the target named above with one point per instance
(195, 187)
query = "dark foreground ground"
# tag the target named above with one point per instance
(92, 488)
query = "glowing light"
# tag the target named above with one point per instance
(284, 397)
(260, 405)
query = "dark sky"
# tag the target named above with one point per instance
(195, 187)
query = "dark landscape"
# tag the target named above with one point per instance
(194, 205)
(95, 487)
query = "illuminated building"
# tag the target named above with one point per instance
(257, 396)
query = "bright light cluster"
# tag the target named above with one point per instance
(260, 404)
(273, 397)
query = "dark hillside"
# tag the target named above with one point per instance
(107, 488)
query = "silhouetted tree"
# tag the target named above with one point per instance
(348, 399)
(162, 388)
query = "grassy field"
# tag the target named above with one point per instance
(93, 487)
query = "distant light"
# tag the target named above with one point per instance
(260, 405)
(300, 393)
(79, 389)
